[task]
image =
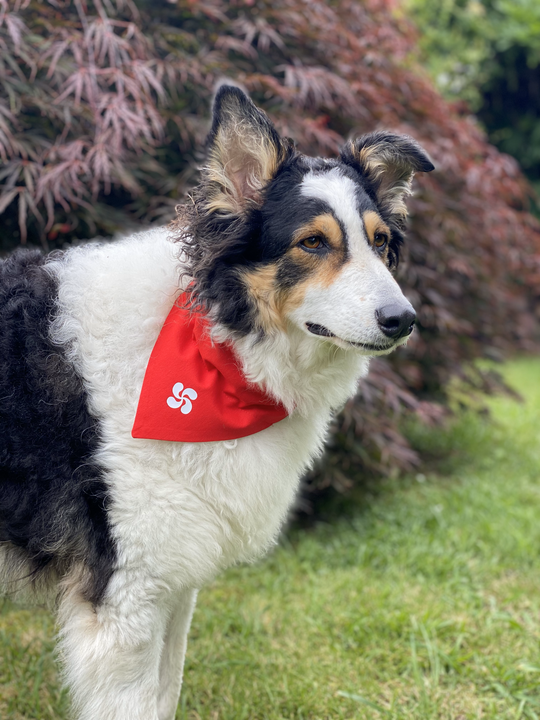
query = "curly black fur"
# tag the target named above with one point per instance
(53, 498)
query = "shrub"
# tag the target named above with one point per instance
(488, 54)
(104, 105)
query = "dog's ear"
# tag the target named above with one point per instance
(244, 153)
(388, 162)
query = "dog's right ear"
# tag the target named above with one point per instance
(244, 153)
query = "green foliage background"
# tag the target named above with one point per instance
(487, 52)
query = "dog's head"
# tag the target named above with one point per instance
(276, 238)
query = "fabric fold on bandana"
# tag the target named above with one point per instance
(194, 390)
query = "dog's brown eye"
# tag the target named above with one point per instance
(380, 240)
(312, 243)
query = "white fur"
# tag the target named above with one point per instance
(347, 307)
(180, 512)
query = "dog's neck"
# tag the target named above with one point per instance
(301, 372)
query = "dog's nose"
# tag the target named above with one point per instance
(395, 320)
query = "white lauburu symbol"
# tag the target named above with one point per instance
(182, 398)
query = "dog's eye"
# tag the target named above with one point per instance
(380, 240)
(312, 243)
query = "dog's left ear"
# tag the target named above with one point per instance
(244, 153)
(388, 162)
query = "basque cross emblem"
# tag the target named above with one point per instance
(181, 398)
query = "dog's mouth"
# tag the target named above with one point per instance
(325, 332)
(319, 330)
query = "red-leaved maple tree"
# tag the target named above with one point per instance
(104, 106)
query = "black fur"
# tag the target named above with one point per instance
(53, 498)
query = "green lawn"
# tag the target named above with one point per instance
(423, 603)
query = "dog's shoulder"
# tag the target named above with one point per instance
(110, 293)
(133, 274)
(112, 301)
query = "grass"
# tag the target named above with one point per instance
(422, 603)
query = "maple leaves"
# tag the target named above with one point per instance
(104, 109)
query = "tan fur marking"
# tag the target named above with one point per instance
(364, 156)
(375, 158)
(262, 288)
(325, 268)
(374, 224)
(294, 298)
(325, 225)
(272, 305)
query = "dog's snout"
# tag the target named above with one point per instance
(395, 320)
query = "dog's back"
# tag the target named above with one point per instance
(52, 497)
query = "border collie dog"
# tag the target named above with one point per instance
(288, 259)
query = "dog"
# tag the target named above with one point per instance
(287, 262)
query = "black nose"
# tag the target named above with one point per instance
(395, 320)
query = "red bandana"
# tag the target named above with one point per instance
(193, 390)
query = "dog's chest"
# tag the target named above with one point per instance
(241, 491)
(185, 509)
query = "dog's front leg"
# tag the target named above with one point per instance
(111, 655)
(174, 651)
